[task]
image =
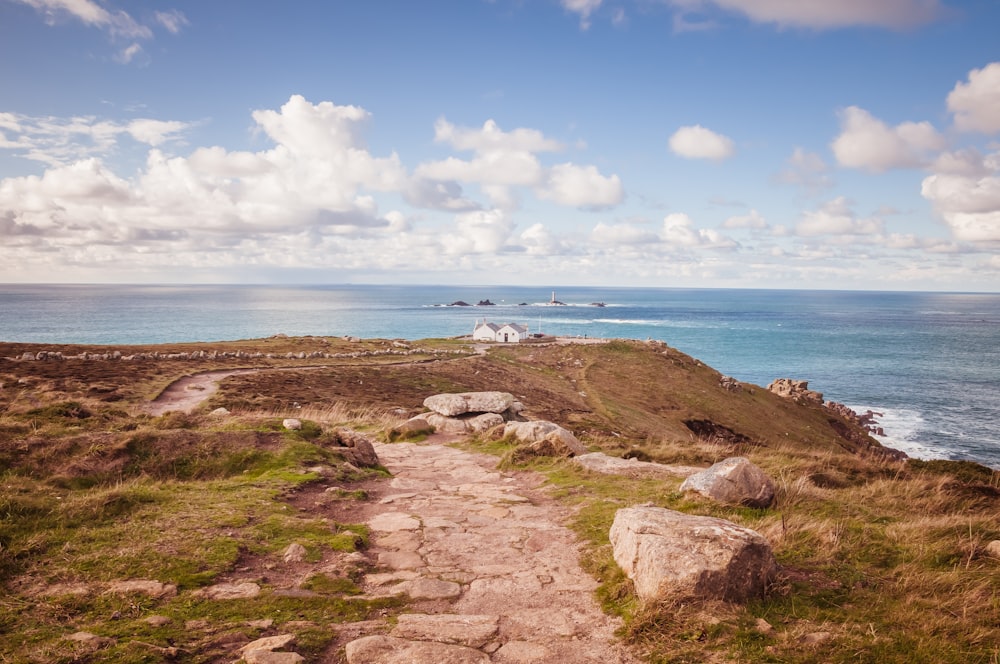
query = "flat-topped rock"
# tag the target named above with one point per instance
(451, 405)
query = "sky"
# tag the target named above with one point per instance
(827, 144)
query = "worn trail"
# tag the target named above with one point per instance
(494, 572)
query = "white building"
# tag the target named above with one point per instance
(506, 333)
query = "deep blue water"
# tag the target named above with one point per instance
(929, 361)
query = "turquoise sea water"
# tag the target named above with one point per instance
(929, 361)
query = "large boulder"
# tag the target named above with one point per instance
(546, 434)
(735, 481)
(451, 405)
(666, 552)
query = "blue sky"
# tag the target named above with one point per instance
(695, 143)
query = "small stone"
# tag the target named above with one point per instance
(814, 638)
(993, 549)
(764, 627)
(266, 623)
(157, 621)
(244, 590)
(292, 424)
(295, 553)
(219, 412)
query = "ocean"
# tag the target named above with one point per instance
(928, 362)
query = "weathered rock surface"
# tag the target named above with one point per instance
(666, 552)
(735, 481)
(474, 631)
(451, 405)
(537, 431)
(360, 449)
(392, 650)
(795, 389)
(241, 590)
(411, 428)
(261, 651)
(291, 424)
(609, 465)
(144, 587)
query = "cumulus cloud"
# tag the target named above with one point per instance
(976, 103)
(584, 8)
(479, 232)
(753, 220)
(679, 230)
(622, 234)
(825, 14)
(581, 186)
(836, 218)
(503, 160)
(697, 142)
(968, 204)
(867, 143)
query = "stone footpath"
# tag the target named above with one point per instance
(494, 573)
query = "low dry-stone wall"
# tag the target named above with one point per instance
(117, 355)
(671, 553)
(735, 481)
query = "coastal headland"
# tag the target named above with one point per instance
(266, 500)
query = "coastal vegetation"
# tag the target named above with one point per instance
(881, 558)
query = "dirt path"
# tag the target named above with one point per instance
(486, 556)
(185, 393)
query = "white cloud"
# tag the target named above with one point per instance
(697, 142)
(976, 104)
(59, 141)
(582, 7)
(128, 54)
(504, 160)
(969, 204)
(836, 218)
(117, 23)
(478, 232)
(173, 20)
(867, 143)
(827, 14)
(679, 230)
(581, 186)
(753, 220)
(605, 235)
(805, 169)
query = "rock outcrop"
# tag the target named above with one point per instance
(666, 552)
(795, 389)
(543, 437)
(466, 412)
(735, 481)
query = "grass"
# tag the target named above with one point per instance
(879, 564)
(184, 500)
(881, 561)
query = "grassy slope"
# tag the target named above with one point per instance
(883, 561)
